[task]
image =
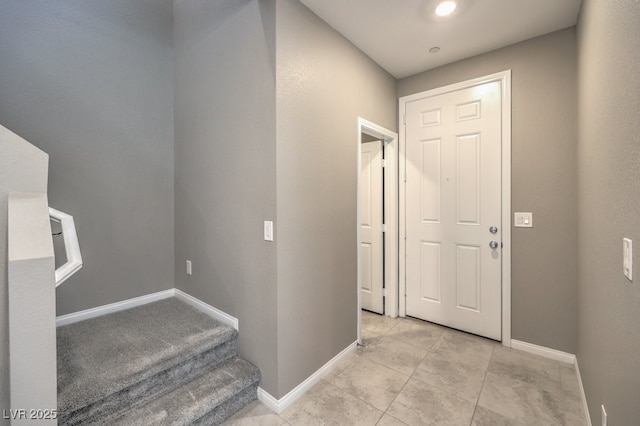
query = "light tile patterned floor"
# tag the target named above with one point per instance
(412, 372)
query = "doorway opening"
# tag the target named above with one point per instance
(389, 239)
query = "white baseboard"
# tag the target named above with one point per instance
(217, 314)
(279, 405)
(143, 300)
(554, 354)
(583, 395)
(113, 307)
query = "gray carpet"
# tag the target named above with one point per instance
(137, 362)
(197, 399)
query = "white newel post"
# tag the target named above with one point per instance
(32, 328)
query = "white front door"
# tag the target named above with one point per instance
(453, 202)
(371, 208)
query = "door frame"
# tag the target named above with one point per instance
(390, 141)
(504, 78)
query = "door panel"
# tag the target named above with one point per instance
(430, 183)
(468, 277)
(468, 179)
(371, 208)
(453, 196)
(430, 277)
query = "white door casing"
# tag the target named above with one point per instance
(456, 147)
(391, 209)
(371, 232)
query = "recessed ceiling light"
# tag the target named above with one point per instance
(446, 8)
(434, 49)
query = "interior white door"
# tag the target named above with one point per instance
(371, 233)
(453, 209)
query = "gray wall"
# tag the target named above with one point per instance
(295, 298)
(225, 157)
(90, 83)
(543, 173)
(23, 168)
(324, 84)
(609, 207)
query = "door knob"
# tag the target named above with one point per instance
(493, 230)
(493, 244)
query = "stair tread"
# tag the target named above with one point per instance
(196, 398)
(104, 355)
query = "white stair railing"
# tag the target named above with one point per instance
(71, 246)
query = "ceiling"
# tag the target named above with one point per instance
(397, 34)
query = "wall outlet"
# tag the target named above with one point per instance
(604, 415)
(189, 270)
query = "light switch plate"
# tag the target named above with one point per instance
(268, 230)
(627, 258)
(523, 220)
(189, 270)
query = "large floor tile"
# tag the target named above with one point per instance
(308, 396)
(531, 369)
(371, 382)
(346, 362)
(485, 417)
(387, 420)
(399, 356)
(522, 401)
(330, 405)
(569, 381)
(422, 404)
(420, 334)
(377, 325)
(572, 396)
(467, 347)
(255, 414)
(456, 364)
(424, 374)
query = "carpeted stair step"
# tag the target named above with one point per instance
(111, 364)
(209, 399)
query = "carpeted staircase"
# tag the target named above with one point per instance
(163, 363)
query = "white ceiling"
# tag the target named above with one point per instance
(397, 34)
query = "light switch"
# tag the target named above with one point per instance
(627, 258)
(268, 230)
(523, 220)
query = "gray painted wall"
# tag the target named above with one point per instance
(295, 298)
(90, 83)
(225, 156)
(609, 206)
(23, 168)
(544, 265)
(324, 84)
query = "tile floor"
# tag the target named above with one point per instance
(412, 372)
